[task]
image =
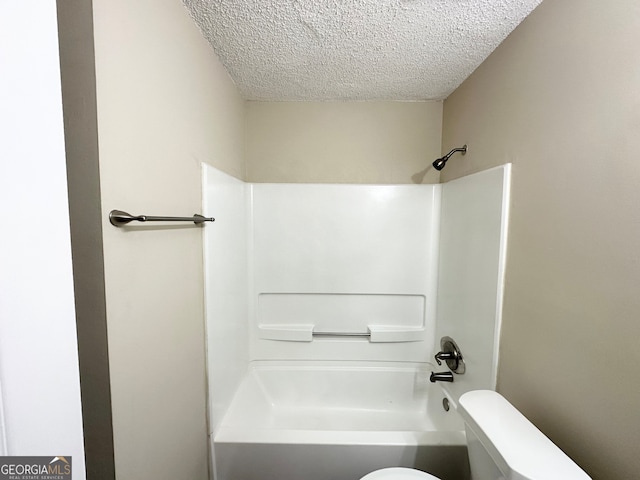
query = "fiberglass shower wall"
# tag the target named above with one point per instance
(343, 260)
(471, 261)
(226, 288)
(285, 261)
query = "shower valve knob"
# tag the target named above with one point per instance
(444, 356)
(450, 353)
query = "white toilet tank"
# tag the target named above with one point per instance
(504, 445)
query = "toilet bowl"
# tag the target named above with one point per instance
(398, 473)
(502, 444)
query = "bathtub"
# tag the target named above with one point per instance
(339, 421)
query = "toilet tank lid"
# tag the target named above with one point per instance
(518, 448)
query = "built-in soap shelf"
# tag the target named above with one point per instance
(308, 333)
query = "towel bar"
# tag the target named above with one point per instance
(118, 218)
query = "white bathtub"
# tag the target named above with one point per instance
(319, 421)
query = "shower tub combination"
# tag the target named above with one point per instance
(337, 420)
(330, 300)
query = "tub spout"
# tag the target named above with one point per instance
(441, 377)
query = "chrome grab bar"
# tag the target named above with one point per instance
(118, 218)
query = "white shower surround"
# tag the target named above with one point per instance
(354, 50)
(283, 240)
(346, 259)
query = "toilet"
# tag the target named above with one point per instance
(502, 445)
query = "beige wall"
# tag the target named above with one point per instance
(343, 142)
(560, 98)
(164, 105)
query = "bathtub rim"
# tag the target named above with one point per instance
(337, 437)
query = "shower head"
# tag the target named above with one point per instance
(441, 162)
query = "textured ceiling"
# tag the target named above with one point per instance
(354, 49)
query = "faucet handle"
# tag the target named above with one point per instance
(450, 352)
(444, 356)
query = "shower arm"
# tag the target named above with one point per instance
(459, 149)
